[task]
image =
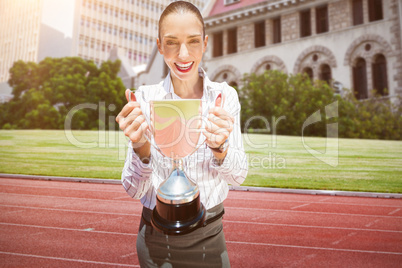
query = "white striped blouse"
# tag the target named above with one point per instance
(142, 180)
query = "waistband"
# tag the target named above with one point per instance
(212, 214)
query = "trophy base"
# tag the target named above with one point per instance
(178, 219)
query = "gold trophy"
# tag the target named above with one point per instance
(175, 128)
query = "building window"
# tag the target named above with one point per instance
(309, 73)
(233, 84)
(357, 9)
(380, 81)
(305, 23)
(321, 14)
(259, 34)
(375, 10)
(325, 73)
(232, 40)
(276, 31)
(360, 79)
(218, 44)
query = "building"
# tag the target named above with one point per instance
(131, 25)
(32, 30)
(19, 39)
(354, 43)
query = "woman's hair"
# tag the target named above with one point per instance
(181, 7)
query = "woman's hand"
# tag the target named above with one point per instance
(218, 127)
(133, 123)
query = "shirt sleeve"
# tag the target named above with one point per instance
(234, 167)
(136, 175)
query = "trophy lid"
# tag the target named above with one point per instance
(177, 189)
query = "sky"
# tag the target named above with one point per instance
(59, 14)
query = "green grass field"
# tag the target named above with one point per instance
(362, 165)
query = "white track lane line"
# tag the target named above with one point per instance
(129, 200)
(394, 211)
(300, 206)
(314, 212)
(65, 188)
(310, 226)
(65, 259)
(229, 198)
(71, 210)
(69, 198)
(64, 229)
(315, 248)
(226, 207)
(318, 202)
(236, 222)
(227, 241)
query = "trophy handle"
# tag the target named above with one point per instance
(148, 132)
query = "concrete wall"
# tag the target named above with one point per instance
(52, 43)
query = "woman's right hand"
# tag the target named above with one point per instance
(133, 123)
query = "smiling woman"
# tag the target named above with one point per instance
(182, 42)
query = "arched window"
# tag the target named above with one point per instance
(360, 79)
(309, 72)
(380, 81)
(325, 73)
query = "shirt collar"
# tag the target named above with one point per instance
(169, 90)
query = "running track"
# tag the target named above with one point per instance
(66, 224)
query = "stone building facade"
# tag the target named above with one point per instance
(356, 43)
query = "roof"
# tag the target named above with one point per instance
(219, 6)
(139, 68)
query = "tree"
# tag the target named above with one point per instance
(46, 92)
(293, 98)
(273, 95)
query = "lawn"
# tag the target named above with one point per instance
(274, 161)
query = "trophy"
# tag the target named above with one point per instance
(175, 128)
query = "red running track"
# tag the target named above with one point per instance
(66, 224)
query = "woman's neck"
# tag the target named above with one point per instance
(189, 89)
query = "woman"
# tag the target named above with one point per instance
(182, 42)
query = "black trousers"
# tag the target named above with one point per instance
(204, 247)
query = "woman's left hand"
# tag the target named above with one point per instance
(219, 124)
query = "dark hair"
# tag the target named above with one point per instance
(181, 7)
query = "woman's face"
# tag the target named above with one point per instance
(182, 44)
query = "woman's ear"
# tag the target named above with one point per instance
(158, 43)
(205, 43)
